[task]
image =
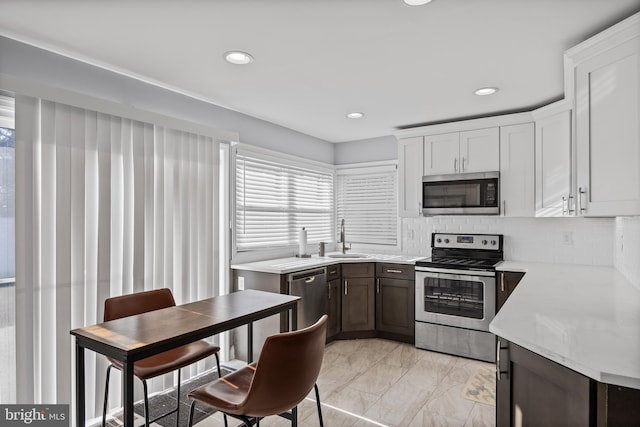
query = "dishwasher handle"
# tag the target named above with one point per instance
(307, 276)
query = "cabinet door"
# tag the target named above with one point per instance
(395, 306)
(553, 165)
(517, 174)
(335, 314)
(358, 308)
(480, 150)
(608, 131)
(410, 158)
(441, 154)
(507, 282)
(534, 391)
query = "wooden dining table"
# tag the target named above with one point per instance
(133, 338)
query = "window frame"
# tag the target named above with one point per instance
(254, 254)
(368, 168)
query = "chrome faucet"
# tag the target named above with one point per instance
(344, 247)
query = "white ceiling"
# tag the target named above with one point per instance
(316, 60)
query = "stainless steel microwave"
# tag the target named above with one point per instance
(461, 194)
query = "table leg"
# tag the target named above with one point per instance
(127, 392)
(80, 385)
(294, 317)
(250, 342)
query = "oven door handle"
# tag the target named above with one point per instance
(439, 273)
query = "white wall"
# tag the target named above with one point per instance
(28, 62)
(366, 150)
(526, 239)
(627, 248)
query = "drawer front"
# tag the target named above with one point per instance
(333, 272)
(364, 269)
(395, 271)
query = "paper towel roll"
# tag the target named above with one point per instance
(302, 241)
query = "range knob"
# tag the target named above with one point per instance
(493, 243)
(484, 242)
(439, 240)
(446, 240)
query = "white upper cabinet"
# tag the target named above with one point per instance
(480, 150)
(410, 176)
(517, 170)
(607, 105)
(442, 154)
(461, 152)
(554, 196)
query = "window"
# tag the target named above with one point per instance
(276, 198)
(7, 251)
(367, 201)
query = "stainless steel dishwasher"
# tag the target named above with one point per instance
(311, 286)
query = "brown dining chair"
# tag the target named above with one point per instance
(287, 370)
(160, 364)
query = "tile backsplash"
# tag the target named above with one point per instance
(560, 240)
(627, 248)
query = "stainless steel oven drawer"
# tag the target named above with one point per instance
(470, 343)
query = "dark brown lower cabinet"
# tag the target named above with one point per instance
(507, 282)
(395, 306)
(535, 391)
(358, 307)
(335, 315)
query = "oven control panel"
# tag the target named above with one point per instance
(467, 241)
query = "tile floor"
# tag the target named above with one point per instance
(374, 382)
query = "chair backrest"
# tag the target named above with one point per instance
(287, 369)
(140, 302)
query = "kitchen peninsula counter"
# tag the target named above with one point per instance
(586, 318)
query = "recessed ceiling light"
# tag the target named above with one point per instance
(416, 2)
(486, 91)
(238, 58)
(355, 115)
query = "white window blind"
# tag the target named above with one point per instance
(275, 200)
(367, 201)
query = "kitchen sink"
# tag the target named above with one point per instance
(349, 256)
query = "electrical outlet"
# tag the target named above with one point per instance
(567, 238)
(240, 283)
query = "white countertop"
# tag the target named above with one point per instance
(291, 264)
(583, 317)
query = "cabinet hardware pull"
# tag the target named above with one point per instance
(580, 193)
(499, 372)
(455, 165)
(498, 361)
(569, 204)
(394, 271)
(378, 286)
(329, 286)
(346, 287)
(333, 272)
(502, 282)
(463, 162)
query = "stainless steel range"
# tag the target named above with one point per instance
(456, 295)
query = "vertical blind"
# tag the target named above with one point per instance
(105, 206)
(275, 200)
(367, 201)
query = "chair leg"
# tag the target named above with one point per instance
(178, 399)
(315, 387)
(193, 406)
(106, 397)
(146, 403)
(220, 376)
